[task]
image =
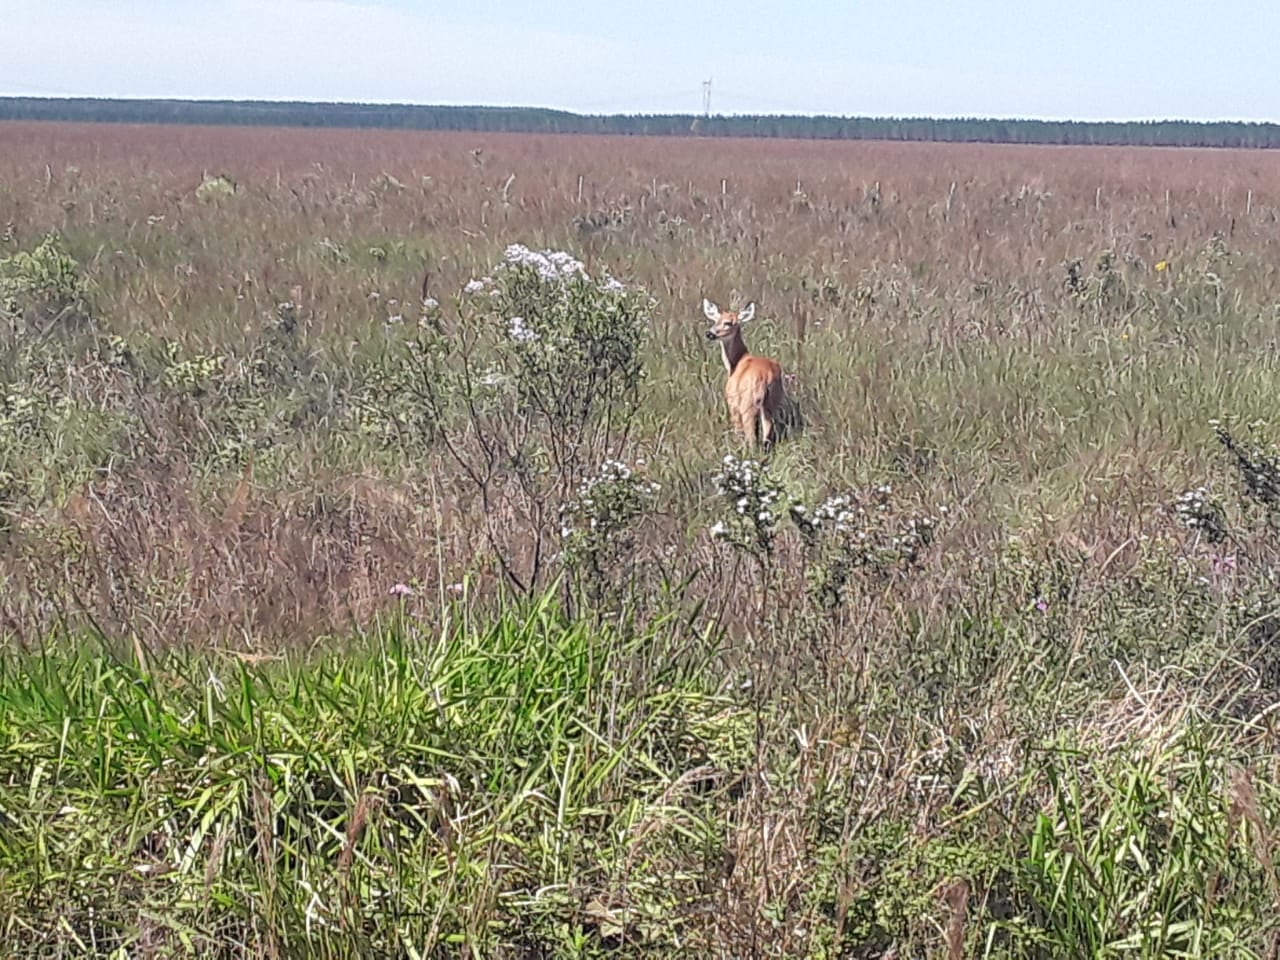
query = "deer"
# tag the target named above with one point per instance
(754, 387)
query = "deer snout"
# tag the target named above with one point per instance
(711, 335)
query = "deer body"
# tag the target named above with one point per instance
(753, 389)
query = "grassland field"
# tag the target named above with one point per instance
(341, 614)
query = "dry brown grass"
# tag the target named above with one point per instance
(915, 290)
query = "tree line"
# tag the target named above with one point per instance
(1166, 133)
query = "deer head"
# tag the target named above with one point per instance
(726, 324)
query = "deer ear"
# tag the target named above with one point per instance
(747, 312)
(711, 310)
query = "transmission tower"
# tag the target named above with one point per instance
(706, 97)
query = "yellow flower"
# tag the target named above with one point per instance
(1162, 266)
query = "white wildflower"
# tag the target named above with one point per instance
(551, 265)
(566, 264)
(521, 332)
(517, 253)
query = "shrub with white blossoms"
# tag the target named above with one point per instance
(859, 530)
(597, 526)
(520, 331)
(756, 501)
(1197, 510)
(572, 342)
(863, 530)
(529, 386)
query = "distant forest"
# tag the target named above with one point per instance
(1164, 133)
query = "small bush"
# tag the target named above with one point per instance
(597, 527)
(860, 530)
(755, 499)
(215, 189)
(537, 382)
(43, 289)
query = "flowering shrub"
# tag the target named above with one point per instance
(755, 496)
(1196, 510)
(533, 387)
(574, 343)
(597, 526)
(860, 530)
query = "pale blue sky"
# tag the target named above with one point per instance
(1087, 59)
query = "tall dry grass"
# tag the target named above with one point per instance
(917, 292)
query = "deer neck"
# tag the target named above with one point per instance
(733, 349)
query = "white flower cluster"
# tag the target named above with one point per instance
(551, 265)
(755, 497)
(740, 481)
(607, 501)
(915, 533)
(545, 303)
(841, 513)
(862, 527)
(838, 512)
(554, 266)
(520, 331)
(615, 471)
(1194, 509)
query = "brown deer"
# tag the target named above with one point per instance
(754, 388)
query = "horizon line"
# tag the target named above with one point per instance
(692, 115)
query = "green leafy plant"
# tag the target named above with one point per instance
(44, 289)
